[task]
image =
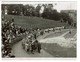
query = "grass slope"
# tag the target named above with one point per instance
(34, 22)
(58, 51)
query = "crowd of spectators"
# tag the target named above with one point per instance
(10, 32)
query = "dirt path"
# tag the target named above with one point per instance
(18, 51)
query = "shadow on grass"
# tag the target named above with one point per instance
(58, 51)
(70, 35)
(56, 34)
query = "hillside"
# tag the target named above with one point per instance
(34, 22)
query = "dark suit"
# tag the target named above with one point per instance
(39, 47)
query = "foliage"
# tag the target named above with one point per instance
(29, 10)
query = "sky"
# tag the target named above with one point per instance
(65, 6)
(62, 5)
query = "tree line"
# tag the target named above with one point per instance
(29, 10)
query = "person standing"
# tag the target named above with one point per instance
(12, 19)
(32, 47)
(37, 46)
(70, 31)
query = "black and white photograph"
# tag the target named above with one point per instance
(39, 29)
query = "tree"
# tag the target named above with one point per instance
(37, 9)
(29, 10)
(55, 15)
(66, 18)
(14, 9)
(47, 11)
